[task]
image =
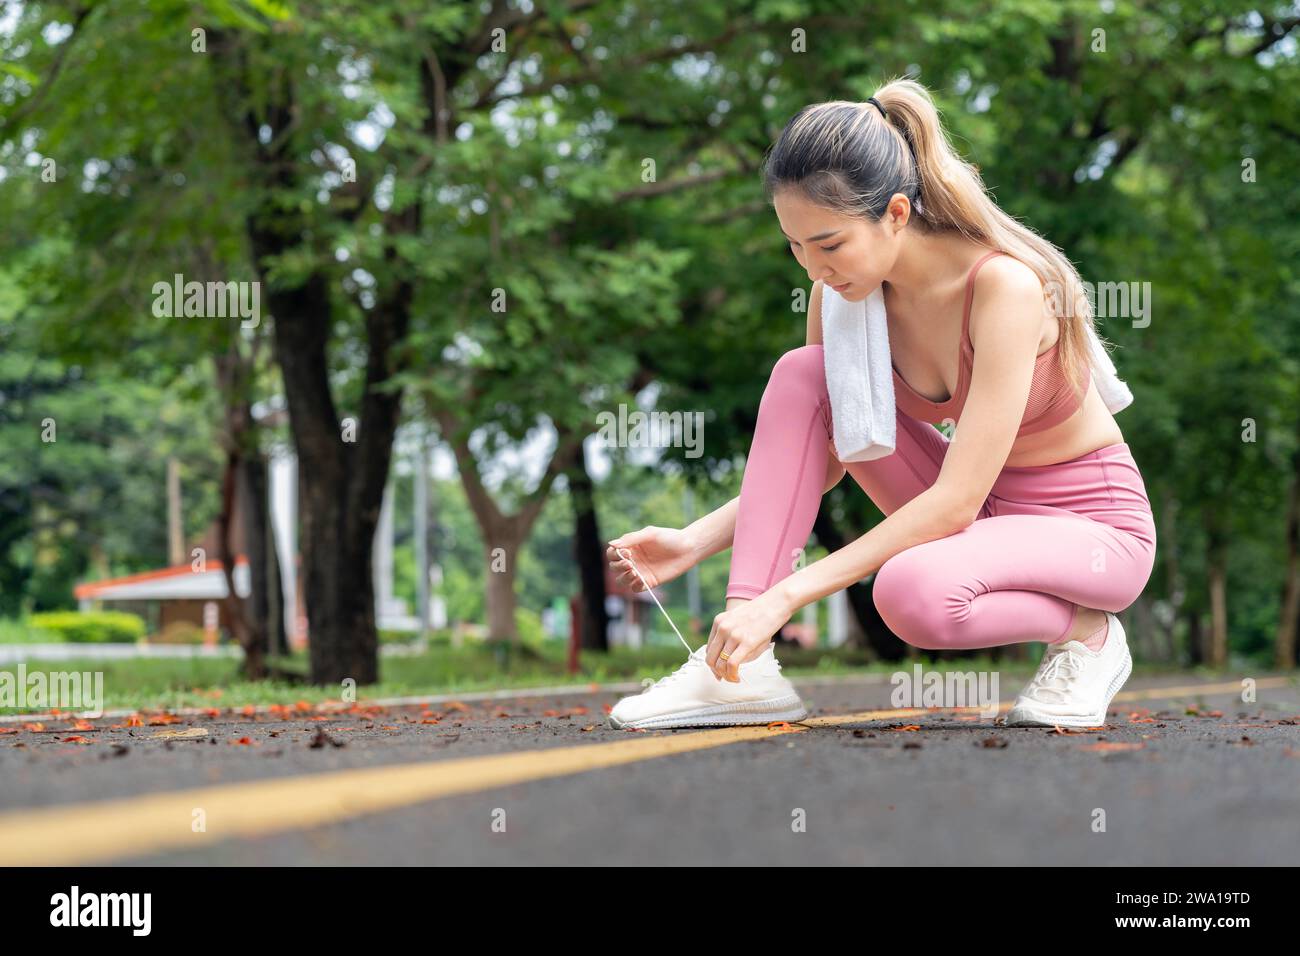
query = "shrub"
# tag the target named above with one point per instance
(529, 625)
(90, 627)
(179, 632)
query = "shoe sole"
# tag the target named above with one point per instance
(1025, 716)
(747, 712)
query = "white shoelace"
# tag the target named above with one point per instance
(1065, 667)
(649, 590)
(692, 659)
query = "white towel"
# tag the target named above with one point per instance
(1110, 386)
(860, 375)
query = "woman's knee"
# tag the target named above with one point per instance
(913, 603)
(798, 381)
(804, 367)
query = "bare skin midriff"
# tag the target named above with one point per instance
(1090, 427)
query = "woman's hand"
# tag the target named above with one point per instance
(743, 632)
(660, 554)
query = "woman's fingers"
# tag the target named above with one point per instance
(628, 572)
(731, 667)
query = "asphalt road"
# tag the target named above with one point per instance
(544, 781)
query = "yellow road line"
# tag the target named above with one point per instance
(144, 825)
(1228, 687)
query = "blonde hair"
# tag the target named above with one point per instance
(849, 158)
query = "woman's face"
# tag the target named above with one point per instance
(852, 255)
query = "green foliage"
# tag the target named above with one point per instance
(529, 625)
(90, 627)
(180, 632)
(551, 281)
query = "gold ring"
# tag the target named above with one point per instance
(724, 656)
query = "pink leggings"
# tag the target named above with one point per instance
(1048, 538)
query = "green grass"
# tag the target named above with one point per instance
(170, 683)
(20, 631)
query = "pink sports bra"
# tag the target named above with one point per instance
(1051, 400)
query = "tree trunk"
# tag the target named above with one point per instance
(265, 600)
(506, 532)
(501, 591)
(342, 468)
(883, 643)
(1195, 639)
(1285, 654)
(1217, 579)
(277, 630)
(1145, 636)
(1174, 584)
(247, 627)
(342, 465)
(242, 625)
(589, 553)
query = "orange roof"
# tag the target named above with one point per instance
(91, 588)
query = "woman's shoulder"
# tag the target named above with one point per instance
(1004, 278)
(814, 336)
(1004, 271)
(1001, 280)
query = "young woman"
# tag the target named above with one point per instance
(1031, 524)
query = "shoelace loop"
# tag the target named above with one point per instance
(669, 678)
(651, 591)
(693, 658)
(1065, 666)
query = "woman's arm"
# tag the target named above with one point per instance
(995, 402)
(930, 515)
(834, 467)
(713, 532)
(744, 629)
(717, 530)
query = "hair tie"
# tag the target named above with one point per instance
(876, 103)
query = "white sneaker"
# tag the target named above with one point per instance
(1074, 685)
(692, 696)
